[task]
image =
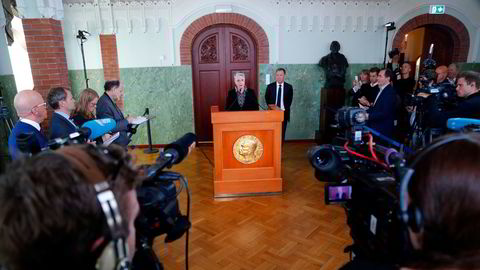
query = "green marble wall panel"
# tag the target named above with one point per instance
(307, 80)
(77, 80)
(167, 92)
(9, 90)
(469, 66)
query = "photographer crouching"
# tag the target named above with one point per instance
(468, 87)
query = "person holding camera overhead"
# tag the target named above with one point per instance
(468, 87)
(440, 207)
(241, 98)
(73, 208)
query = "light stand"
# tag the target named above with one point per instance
(388, 27)
(82, 36)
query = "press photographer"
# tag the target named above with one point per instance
(420, 214)
(80, 207)
(468, 87)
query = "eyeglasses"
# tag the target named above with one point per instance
(44, 104)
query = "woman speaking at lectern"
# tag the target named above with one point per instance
(241, 98)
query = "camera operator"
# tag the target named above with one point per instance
(468, 86)
(58, 210)
(443, 194)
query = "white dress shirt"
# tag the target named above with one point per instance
(31, 123)
(282, 106)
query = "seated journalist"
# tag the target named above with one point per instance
(444, 189)
(241, 98)
(61, 100)
(107, 108)
(468, 90)
(85, 107)
(32, 111)
(51, 215)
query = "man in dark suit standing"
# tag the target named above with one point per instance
(61, 100)
(107, 108)
(381, 114)
(281, 94)
(32, 110)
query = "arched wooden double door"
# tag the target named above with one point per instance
(218, 53)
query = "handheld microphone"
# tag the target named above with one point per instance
(174, 153)
(460, 123)
(78, 136)
(99, 127)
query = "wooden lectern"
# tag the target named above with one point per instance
(233, 177)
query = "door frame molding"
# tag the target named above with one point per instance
(458, 32)
(248, 25)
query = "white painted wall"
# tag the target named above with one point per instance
(5, 66)
(299, 32)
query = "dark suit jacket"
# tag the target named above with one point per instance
(271, 96)
(250, 104)
(60, 127)
(468, 107)
(106, 108)
(36, 143)
(80, 119)
(382, 115)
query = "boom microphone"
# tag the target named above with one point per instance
(99, 127)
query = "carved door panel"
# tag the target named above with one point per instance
(217, 54)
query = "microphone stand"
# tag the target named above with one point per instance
(150, 150)
(83, 38)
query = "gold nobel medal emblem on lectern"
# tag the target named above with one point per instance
(248, 149)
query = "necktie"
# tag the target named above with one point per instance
(279, 96)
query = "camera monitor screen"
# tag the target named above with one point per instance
(339, 193)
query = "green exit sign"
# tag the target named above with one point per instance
(437, 9)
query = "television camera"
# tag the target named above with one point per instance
(364, 178)
(157, 195)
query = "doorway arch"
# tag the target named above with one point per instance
(459, 33)
(259, 44)
(244, 22)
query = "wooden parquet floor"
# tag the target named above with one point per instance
(295, 230)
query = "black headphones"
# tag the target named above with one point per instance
(115, 254)
(411, 215)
